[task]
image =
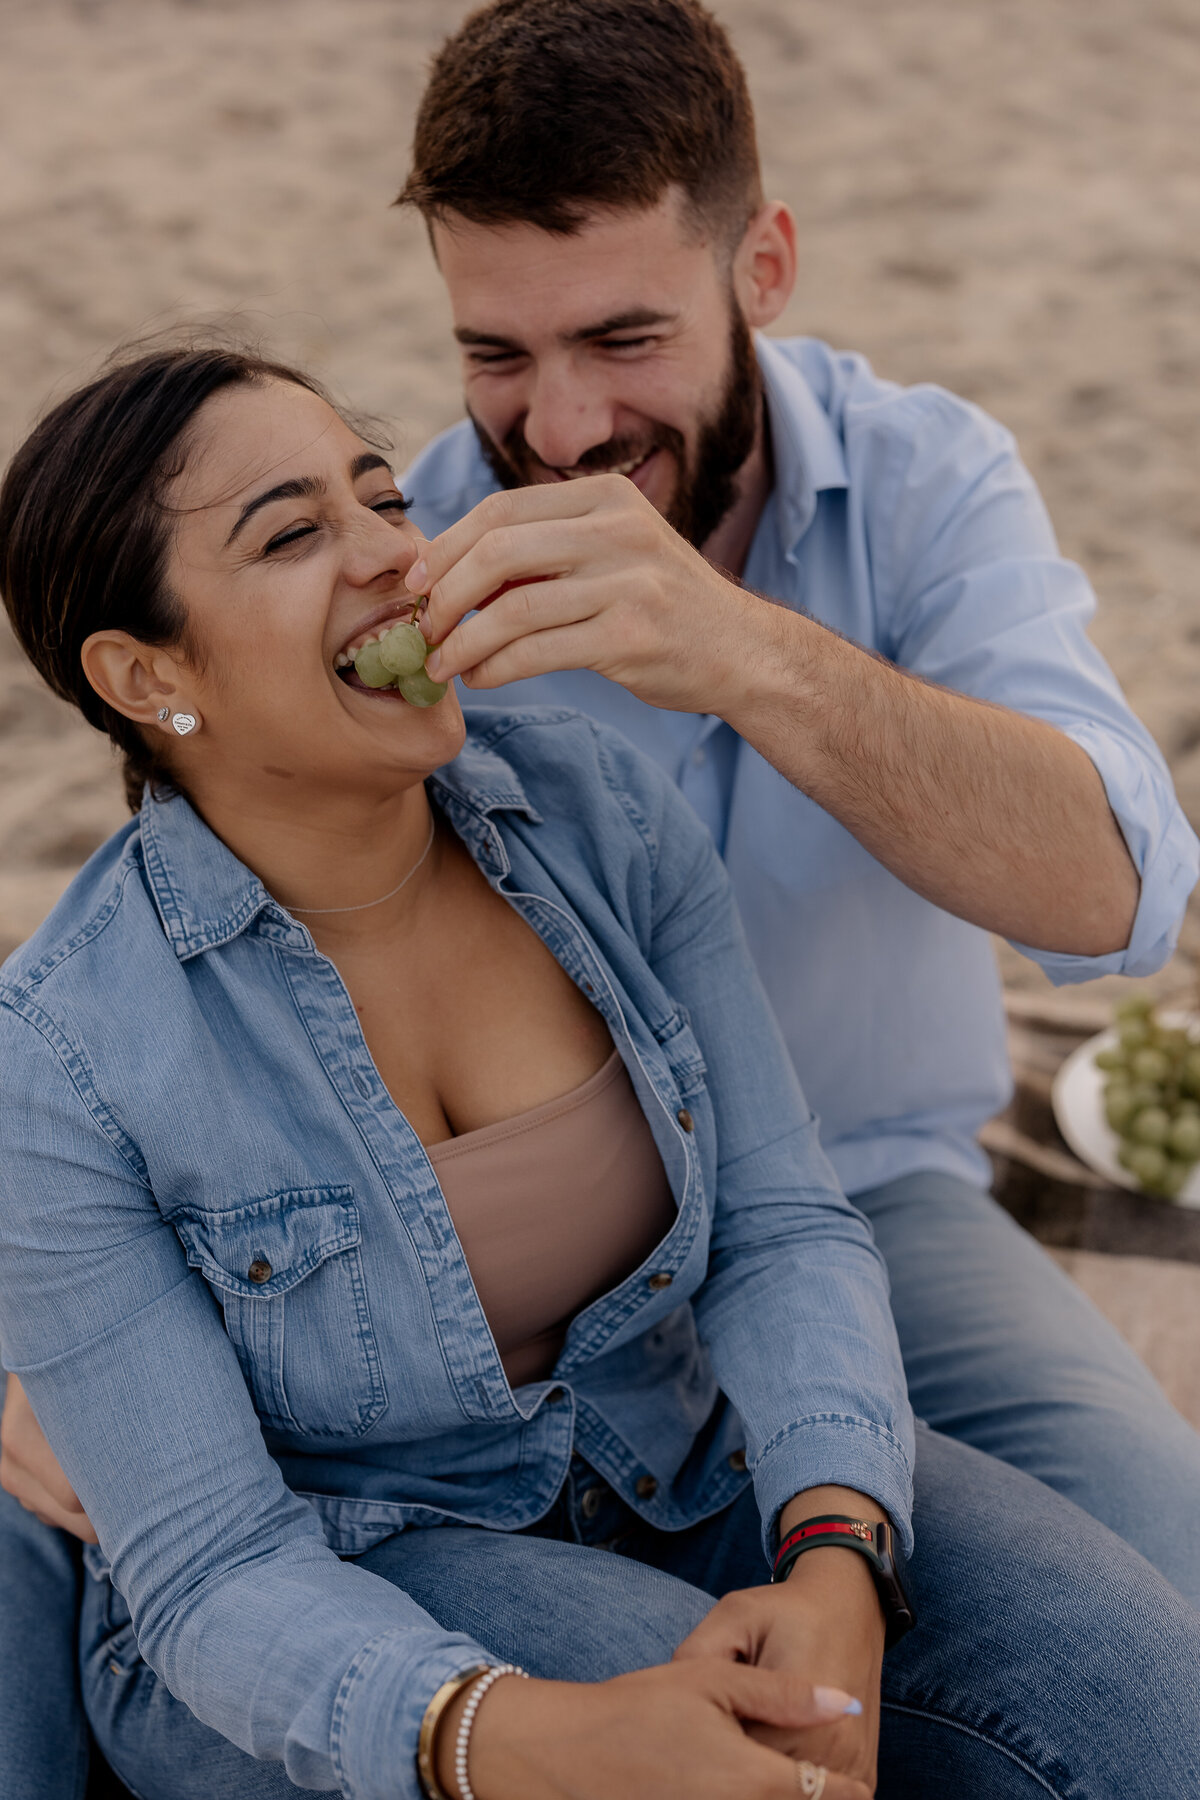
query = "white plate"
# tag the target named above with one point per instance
(1077, 1096)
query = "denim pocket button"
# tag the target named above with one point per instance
(685, 1119)
(646, 1487)
(737, 1461)
(259, 1271)
(662, 1280)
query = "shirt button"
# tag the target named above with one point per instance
(589, 1506)
(685, 1119)
(737, 1461)
(646, 1487)
(699, 758)
(661, 1280)
(259, 1271)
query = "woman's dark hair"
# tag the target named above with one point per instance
(84, 532)
(543, 111)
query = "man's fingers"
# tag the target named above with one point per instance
(522, 614)
(499, 512)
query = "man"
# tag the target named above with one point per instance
(835, 612)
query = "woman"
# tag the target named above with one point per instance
(397, 1143)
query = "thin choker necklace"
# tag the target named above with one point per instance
(314, 911)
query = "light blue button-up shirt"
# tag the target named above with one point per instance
(904, 519)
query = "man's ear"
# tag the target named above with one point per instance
(764, 264)
(133, 678)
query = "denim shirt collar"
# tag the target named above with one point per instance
(807, 451)
(205, 896)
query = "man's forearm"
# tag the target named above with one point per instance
(987, 813)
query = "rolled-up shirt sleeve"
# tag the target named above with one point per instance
(238, 1603)
(977, 598)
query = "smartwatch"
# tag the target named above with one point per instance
(875, 1542)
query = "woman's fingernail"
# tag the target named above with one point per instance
(415, 579)
(433, 663)
(839, 1704)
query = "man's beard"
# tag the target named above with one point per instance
(706, 486)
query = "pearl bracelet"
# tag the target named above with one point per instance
(463, 1743)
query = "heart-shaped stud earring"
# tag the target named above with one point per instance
(183, 723)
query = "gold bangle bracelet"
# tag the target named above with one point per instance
(426, 1769)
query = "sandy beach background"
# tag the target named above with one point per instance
(1003, 196)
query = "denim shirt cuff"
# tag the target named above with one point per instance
(1164, 851)
(834, 1450)
(380, 1705)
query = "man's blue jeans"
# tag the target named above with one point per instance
(1002, 1352)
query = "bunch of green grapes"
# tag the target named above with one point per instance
(397, 659)
(1152, 1097)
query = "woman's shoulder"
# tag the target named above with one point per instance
(75, 930)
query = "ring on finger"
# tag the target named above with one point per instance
(811, 1779)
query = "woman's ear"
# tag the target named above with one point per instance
(135, 679)
(764, 265)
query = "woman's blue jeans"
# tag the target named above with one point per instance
(1002, 1353)
(1049, 1657)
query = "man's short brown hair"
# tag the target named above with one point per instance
(546, 111)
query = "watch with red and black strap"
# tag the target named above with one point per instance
(874, 1542)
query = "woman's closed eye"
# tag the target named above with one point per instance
(391, 502)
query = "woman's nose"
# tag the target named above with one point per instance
(377, 548)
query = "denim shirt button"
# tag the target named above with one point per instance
(646, 1487)
(685, 1119)
(259, 1271)
(661, 1280)
(737, 1461)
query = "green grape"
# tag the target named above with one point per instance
(403, 649)
(1187, 1109)
(1174, 1178)
(1172, 1040)
(419, 690)
(1183, 1139)
(1134, 1006)
(1190, 1074)
(1133, 1033)
(1118, 1107)
(1146, 1093)
(1150, 1065)
(1152, 1125)
(371, 669)
(1148, 1163)
(1110, 1059)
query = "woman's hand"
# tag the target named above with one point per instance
(669, 1733)
(29, 1470)
(823, 1624)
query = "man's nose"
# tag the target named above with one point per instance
(566, 417)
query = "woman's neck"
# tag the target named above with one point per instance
(335, 861)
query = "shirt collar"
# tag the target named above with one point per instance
(807, 451)
(205, 896)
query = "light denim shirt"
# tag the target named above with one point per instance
(903, 519)
(230, 1284)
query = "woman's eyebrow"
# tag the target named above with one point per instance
(304, 487)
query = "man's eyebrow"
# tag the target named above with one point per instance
(632, 319)
(304, 487)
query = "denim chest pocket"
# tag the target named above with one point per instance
(288, 1274)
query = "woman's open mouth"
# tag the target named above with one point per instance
(385, 656)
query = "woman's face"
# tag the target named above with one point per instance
(291, 547)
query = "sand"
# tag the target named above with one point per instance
(1003, 196)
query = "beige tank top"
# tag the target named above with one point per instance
(552, 1209)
